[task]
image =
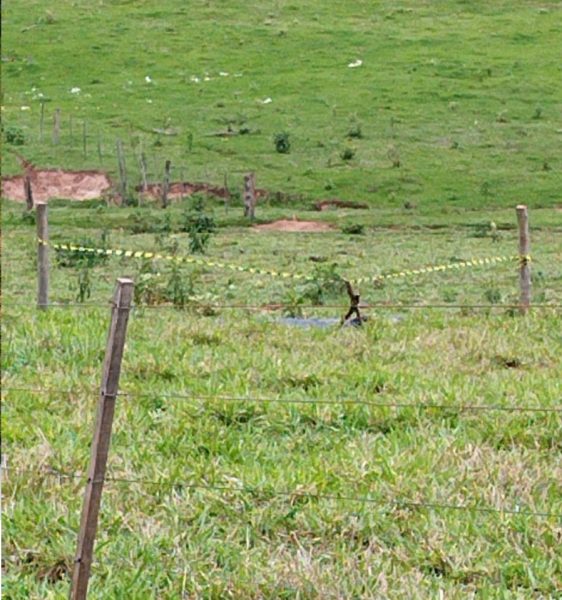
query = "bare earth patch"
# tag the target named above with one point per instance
(294, 225)
(56, 183)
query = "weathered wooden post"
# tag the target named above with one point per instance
(41, 120)
(84, 139)
(42, 255)
(166, 184)
(122, 171)
(249, 195)
(28, 191)
(143, 172)
(56, 127)
(524, 258)
(102, 437)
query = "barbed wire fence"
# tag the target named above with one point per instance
(97, 476)
(121, 307)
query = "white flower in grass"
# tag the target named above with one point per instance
(266, 101)
(148, 79)
(149, 101)
(75, 90)
(26, 108)
(194, 79)
(223, 74)
(355, 63)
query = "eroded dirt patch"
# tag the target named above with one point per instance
(56, 183)
(294, 225)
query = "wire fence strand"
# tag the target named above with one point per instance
(280, 306)
(269, 494)
(319, 401)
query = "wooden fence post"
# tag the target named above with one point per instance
(122, 171)
(524, 262)
(56, 126)
(41, 121)
(166, 184)
(143, 172)
(28, 191)
(249, 195)
(102, 437)
(42, 255)
(84, 139)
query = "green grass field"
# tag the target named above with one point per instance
(415, 457)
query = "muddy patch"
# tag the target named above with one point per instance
(294, 225)
(56, 183)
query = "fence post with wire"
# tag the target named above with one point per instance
(42, 255)
(524, 261)
(102, 438)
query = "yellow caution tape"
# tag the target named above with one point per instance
(284, 274)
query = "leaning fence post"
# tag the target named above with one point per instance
(42, 255)
(101, 439)
(524, 259)
(28, 191)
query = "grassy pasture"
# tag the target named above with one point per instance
(466, 94)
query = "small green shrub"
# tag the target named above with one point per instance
(198, 225)
(14, 136)
(355, 131)
(354, 229)
(282, 143)
(347, 154)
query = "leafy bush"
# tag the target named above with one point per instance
(14, 136)
(282, 142)
(354, 229)
(355, 131)
(347, 153)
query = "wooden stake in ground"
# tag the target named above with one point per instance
(84, 139)
(122, 172)
(56, 127)
(166, 184)
(41, 121)
(28, 191)
(226, 192)
(250, 195)
(143, 172)
(102, 437)
(100, 153)
(42, 255)
(524, 259)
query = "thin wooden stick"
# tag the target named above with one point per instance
(42, 255)
(102, 438)
(524, 251)
(41, 121)
(166, 184)
(28, 191)
(84, 139)
(56, 127)
(122, 171)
